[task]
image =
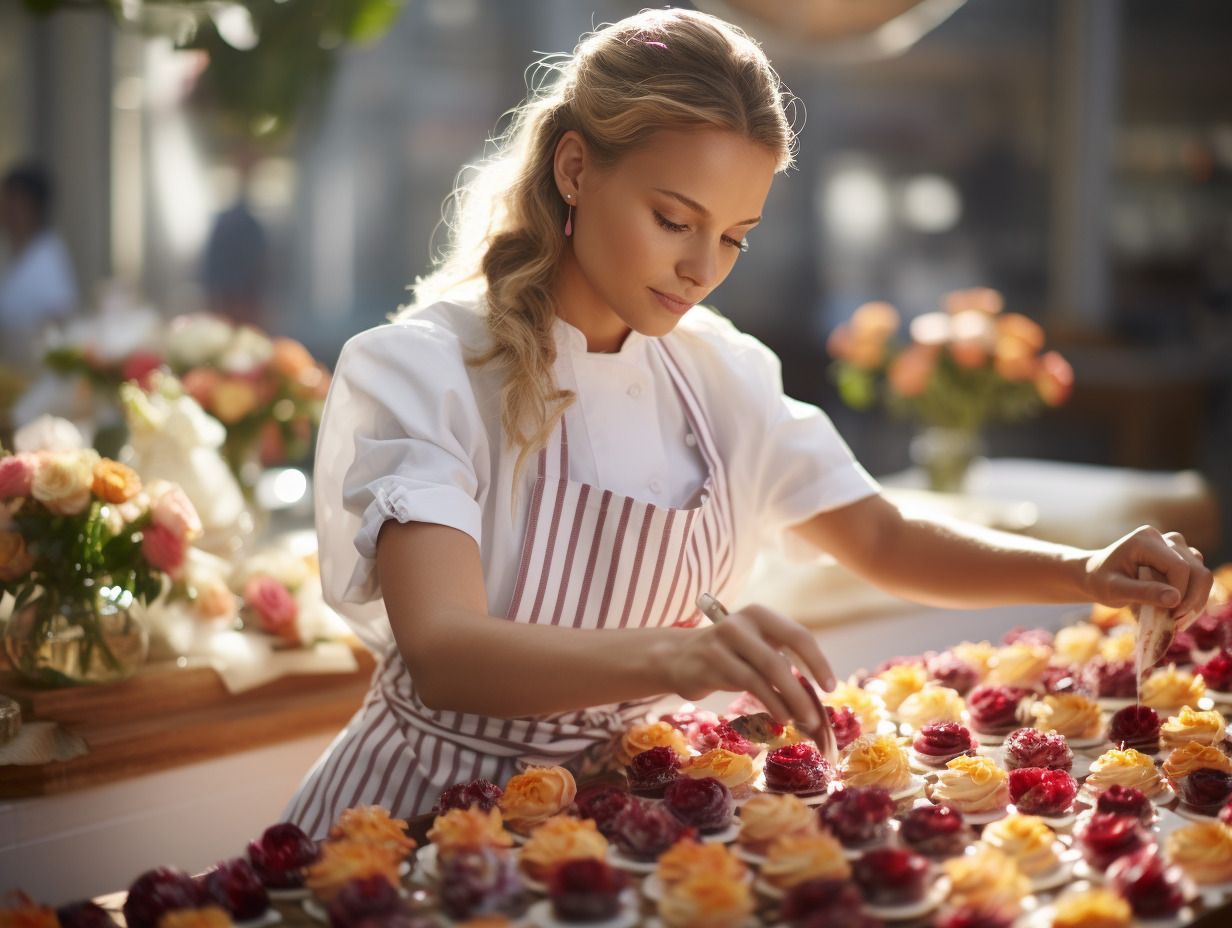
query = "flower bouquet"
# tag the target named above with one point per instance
(82, 546)
(960, 369)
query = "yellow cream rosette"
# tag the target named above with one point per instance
(769, 816)
(1189, 757)
(372, 825)
(1124, 768)
(560, 838)
(1092, 908)
(868, 708)
(1107, 617)
(879, 761)
(976, 653)
(896, 683)
(735, 771)
(792, 859)
(986, 879)
(1070, 714)
(1076, 644)
(343, 861)
(1118, 647)
(1189, 724)
(459, 828)
(706, 900)
(1019, 664)
(643, 737)
(685, 859)
(1203, 851)
(934, 703)
(1169, 689)
(535, 795)
(1026, 840)
(972, 784)
(789, 735)
(210, 916)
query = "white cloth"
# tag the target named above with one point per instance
(411, 432)
(37, 288)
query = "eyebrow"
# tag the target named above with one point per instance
(698, 208)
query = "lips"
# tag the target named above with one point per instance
(672, 303)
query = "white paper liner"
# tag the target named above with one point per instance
(889, 839)
(314, 910)
(1193, 815)
(722, 836)
(1053, 879)
(655, 922)
(540, 914)
(1214, 894)
(270, 916)
(750, 857)
(617, 859)
(1055, 822)
(288, 895)
(652, 886)
(933, 897)
(918, 766)
(425, 857)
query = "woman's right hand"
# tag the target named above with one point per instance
(744, 652)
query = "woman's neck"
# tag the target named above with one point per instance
(579, 305)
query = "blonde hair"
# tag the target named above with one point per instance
(660, 69)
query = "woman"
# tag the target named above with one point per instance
(524, 483)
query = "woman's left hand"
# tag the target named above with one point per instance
(1112, 574)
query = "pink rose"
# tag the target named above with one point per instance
(164, 549)
(17, 474)
(174, 511)
(274, 605)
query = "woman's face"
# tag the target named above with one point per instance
(659, 230)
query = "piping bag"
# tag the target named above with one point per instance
(1156, 629)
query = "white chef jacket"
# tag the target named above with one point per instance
(412, 432)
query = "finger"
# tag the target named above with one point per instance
(1127, 591)
(805, 651)
(746, 640)
(1199, 581)
(741, 676)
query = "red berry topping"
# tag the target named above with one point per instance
(1135, 727)
(479, 793)
(1206, 790)
(971, 917)
(704, 803)
(1059, 679)
(1111, 679)
(994, 709)
(237, 887)
(1036, 636)
(1217, 672)
(85, 914)
(950, 670)
(857, 816)
(1225, 814)
(158, 891)
(941, 742)
(891, 876)
(900, 661)
(846, 725)
(815, 896)
(1027, 747)
(603, 802)
(366, 897)
(651, 771)
(1042, 791)
(689, 717)
(1180, 650)
(1151, 886)
(1211, 629)
(798, 768)
(1105, 836)
(586, 890)
(281, 855)
(1125, 800)
(936, 830)
(478, 881)
(646, 829)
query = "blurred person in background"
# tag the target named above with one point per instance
(37, 287)
(235, 269)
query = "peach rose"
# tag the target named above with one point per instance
(1019, 328)
(978, 299)
(215, 601)
(64, 483)
(877, 320)
(1055, 379)
(535, 795)
(1014, 361)
(15, 561)
(174, 511)
(164, 550)
(115, 482)
(234, 398)
(275, 607)
(910, 371)
(290, 358)
(17, 474)
(201, 383)
(840, 341)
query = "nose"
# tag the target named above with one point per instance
(700, 264)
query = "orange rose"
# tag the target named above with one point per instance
(15, 560)
(876, 320)
(290, 358)
(1014, 360)
(840, 341)
(910, 371)
(535, 795)
(115, 482)
(1017, 327)
(233, 400)
(201, 383)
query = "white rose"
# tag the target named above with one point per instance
(48, 433)
(197, 339)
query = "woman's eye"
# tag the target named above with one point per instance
(666, 223)
(743, 244)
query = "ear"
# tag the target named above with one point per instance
(570, 161)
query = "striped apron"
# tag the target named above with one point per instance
(590, 559)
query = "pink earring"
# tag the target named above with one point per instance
(569, 221)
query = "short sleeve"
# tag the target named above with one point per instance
(401, 438)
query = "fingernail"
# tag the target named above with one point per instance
(1170, 598)
(829, 685)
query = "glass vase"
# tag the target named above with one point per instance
(96, 634)
(946, 455)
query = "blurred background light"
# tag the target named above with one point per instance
(930, 203)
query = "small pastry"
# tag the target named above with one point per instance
(1027, 747)
(1135, 727)
(793, 859)
(1125, 800)
(149, 897)
(933, 703)
(735, 771)
(649, 772)
(1076, 644)
(1150, 885)
(1109, 679)
(857, 816)
(343, 861)
(1124, 768)
(1118, 647)
(1216, 673)
(1020, 664)
(1170, 689)
(685, 859)
(1105, 836)
(1203, 851)
(897, 683)
(703, 803)
(993, 710)
(640, 738)
(833, 903)
(17, 910)
(1026, 840)
(972, 785)
(688, 720)
(986, 879)
(280, 855)
(891, 876)
(975, 654)
(936, 831)
(1189, 757)
(783, 735)
(372, 825)
(560, 838)
(1041, 791)
(1190, 725)
(937, 743)
(1035, 636)
(480, 793)
(1068, 714)
(601, 802)
(645, 829)
(876, 762)
(463, 828)
(535, 795)
(845, 723)
(799, 769)
(586, 890)
(1206, 790)
(1058, 679)
(1109, 617)
(868, 708)
(770, 816)
(703, 739)
(1092, 908)
(707, 899)
(233, 884)
(478, 881)
(949, 670)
